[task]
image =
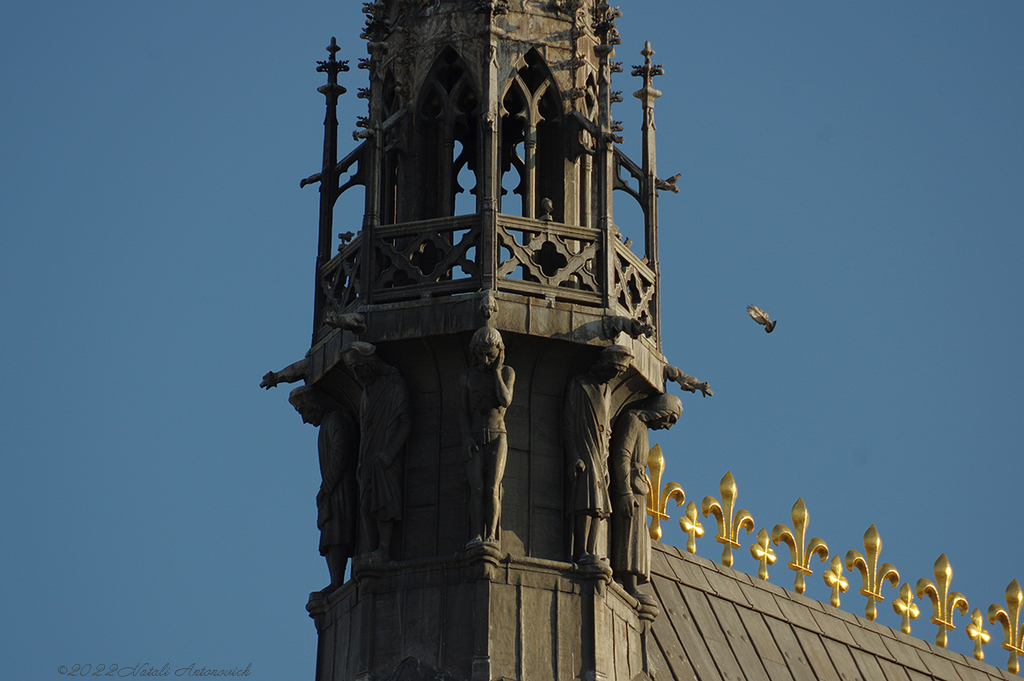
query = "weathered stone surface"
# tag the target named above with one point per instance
(477, 614)
(457, 442)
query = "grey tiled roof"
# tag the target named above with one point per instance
(718, 624)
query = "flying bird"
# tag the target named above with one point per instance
(761, 317)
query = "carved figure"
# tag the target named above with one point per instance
(546, 205)
(630, 546)
(669, 184)
(761, 317)
(687, 382)
(336, 502)
(384, 427)
(352, 321)
(292, 373)
(586, 430)
(487, 392)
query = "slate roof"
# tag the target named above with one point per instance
(718, 624)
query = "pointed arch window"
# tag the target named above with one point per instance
(532, 145)
(448, 139)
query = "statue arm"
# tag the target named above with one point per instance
(687, 382)
(504, 382)
(621, 455)
(290, 374)
(336, 456)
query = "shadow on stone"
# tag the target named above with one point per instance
(412, 669)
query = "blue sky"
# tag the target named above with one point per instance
(856, 170)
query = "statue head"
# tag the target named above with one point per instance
(486, 347)
(312, 403)
(614, 361)
(362, 359)
(661, 411)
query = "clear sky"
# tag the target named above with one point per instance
(855, 169)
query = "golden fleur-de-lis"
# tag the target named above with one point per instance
(976, 632)
(944, 601)
(729, 523)
(872, 574)
(906, 608)
(1013, 631)
(800, 550)
(692, 527)
(657, 504)
(763, 553)
(834, 580)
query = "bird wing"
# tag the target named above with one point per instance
(758, 315)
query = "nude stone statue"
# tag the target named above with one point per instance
(586, 430)
(336, 502)
(384, 424)
(486, 393)
(630, 545)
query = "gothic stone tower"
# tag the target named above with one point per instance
(488, 161)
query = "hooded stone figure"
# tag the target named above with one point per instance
(337, 500)
(630, 545)
(384, 425)
(586, 429)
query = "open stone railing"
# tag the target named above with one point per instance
(443, 257)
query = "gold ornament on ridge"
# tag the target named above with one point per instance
(800, 550)
(690, 523)
(729, 523)
(656, 505)
(944, 601)
(872, 575)
(906, 608)
(764, 555)
(1013, 630)
(976, 632)
(834, 580)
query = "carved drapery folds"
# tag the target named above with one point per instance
(336, 502)
(630, 548)
(586, 433)
(384, 424)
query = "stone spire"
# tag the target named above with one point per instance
(489, 329)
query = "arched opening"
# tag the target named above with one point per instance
(448, 146)
(532, 145)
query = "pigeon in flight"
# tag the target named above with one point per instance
(761, 317)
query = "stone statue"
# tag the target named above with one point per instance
(586, 430)
(383, 427)
(630, 546)
(292, 373)
(351, 321)
(487, 392)
(687, 382)
(336, 502)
